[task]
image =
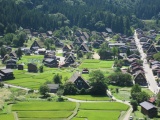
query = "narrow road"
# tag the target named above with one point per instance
(74, 112)
(148, 71)
(13, 86)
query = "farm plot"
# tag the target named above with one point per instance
(43, 110)
(89, 97)
(35, 80)
(95, 64)
(6, 116)
(103, 111)
(104, 106)
(98, 115)
(43, 106)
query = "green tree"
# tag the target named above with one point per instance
(115, 51)
(120, 79)
(19, 53)
(135, 88)
(70, 89)
(41, 69)
(3, 51)
(158, 100)
(134, 105)
(98, 83)
(57, 79)
(44, 89)
(157, 56)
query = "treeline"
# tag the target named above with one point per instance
(90, 14)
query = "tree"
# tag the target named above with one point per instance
(80, 54)
(134, 105)
(70, 89)
(98, 83)
(3, 52)
(44, 89)
(19, 53)
(120, 79)
(138, 95)
(157, 56)
(41, 69)
(1, 84)
(57, 79)
(135, 88)
(97, 76)
(115, 51)
(158, 100)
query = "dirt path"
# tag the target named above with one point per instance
(96, 56)
(74, 112)
(15, 116)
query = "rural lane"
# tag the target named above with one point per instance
(148, 71)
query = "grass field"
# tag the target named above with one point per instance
(6, 117)
(43, 106)
(97, 115)
(35, 80)
(43, 110)
(44, 114)
(96, 64)
(89, 97)
(110, 106)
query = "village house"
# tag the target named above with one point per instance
(49, 33)
(35, 46)
(84, 48)
(134, 56)
(43, 35)
(51, 62)
(67, 48)
(53, 88)
(20, 67)
(32, 67)
(85, 71)
(6, 74)
(152, 50)
(85, 34)
(69, 60)
(78, 33)
(149, 109)
(13, 55)
(79, 81)
(116, 44)
(140, 79)
(11, 64)
(109, 30)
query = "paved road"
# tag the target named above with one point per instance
(148, 71)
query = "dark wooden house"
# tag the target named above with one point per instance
(152, 49)
(11, 64)
(69, 60)
(53, 88)
(79, 81)
(134, 56)
(149, 109)
(20, 67)
(84, 48)
(13, 55)
(6, 74)
(35, 46)
(51, 62)
(32, 67)
(140, 79)
(67, 48)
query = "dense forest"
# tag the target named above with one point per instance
(120, 15)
